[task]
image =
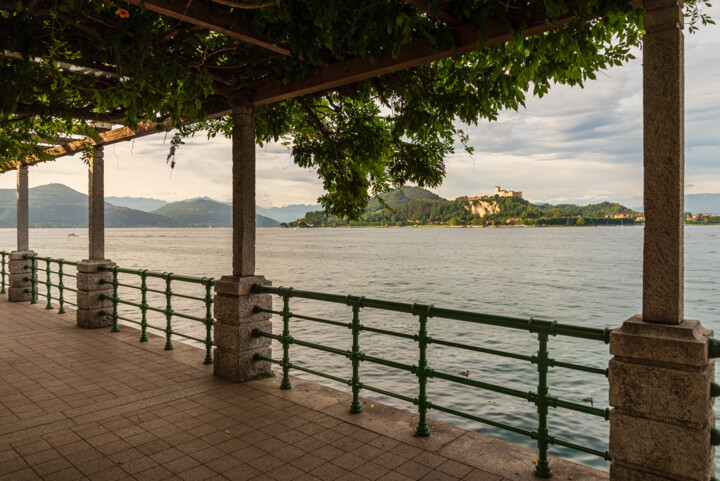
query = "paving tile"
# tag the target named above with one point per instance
(242, 473)
(413, 469)
(454, 468)
(285, 473)
(390, 460)
(266, 463)
(198, 473)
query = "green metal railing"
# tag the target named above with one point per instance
(47, 280)
(3, 272)
(167, 311)
(541, 398)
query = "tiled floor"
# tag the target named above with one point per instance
(77, 404)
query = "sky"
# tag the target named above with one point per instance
(574, 145)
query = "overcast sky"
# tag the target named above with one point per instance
(574, 145)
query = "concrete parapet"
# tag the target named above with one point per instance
(89, 290)
(662, 414)
(16, 276)
(235, 347)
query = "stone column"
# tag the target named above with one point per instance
(234, 302)
(17, 262)
(89, 287)
(661, 372)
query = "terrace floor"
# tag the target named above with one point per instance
(78, 404)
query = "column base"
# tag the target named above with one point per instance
(660, 379)
(16, 276)
(89, 288)
(235, 320)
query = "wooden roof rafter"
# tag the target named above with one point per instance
(212, 17)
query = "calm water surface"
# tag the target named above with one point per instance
(588, 277)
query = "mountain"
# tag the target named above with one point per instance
(56, 205)
(702, 203)
(145, 204)
(203, 212)
(288, 213)
(398, 197)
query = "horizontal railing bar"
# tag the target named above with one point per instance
(388, 333)
(332, 350)
(603, 413)
(159, 275)
(481, 349)
(311, 345)
(186, 316)
(304, 369)
(45, 259)
(385, 362)
(481, 385)
(186, 296)
(578, 367)
(306, 318)
(389, 393)
(318, 319)
(186, 336)
(578, 447)
(532, 325)
(489, 422)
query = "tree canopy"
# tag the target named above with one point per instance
(67, 67)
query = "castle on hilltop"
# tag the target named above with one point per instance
(508, 193)
(500, 192)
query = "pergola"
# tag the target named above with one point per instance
(661, 373)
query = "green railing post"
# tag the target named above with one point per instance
(423, 429)
(2, 272)
(285, 384)
(355, 406)
(48, 283)
(143, 306)
(168, 311)
(33, 281)
(115, 327)
(542, 468)
(209, 321)
(61, 287)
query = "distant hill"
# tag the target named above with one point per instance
(202, 212)
(289, 212)
(702, 203)
(56, 205)
(398, 197)
(416, 206)
(145, 204)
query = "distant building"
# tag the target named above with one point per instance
(618, 216)
(507, 193)
(498, 191)
(513, 220)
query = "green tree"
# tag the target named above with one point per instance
(581, 221)
(361, 139)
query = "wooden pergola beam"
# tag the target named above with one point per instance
(416, 53)
(212, 17)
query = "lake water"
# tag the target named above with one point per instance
(582, 276)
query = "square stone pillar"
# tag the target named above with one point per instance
(17, 274)
(89, 289)
(660, 379)
(235, 346)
